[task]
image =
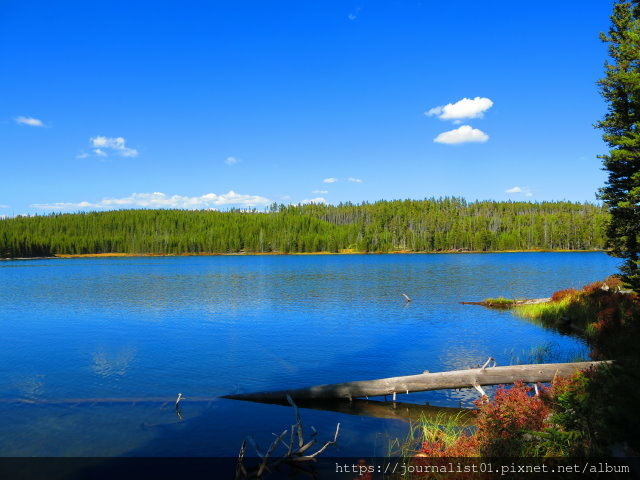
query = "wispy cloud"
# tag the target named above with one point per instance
(314, 200)
(462, 109)
(161, 200)
(526, 191)
(463, 134)
(30, 121)
(4, 206)
(354, 15)
(330, 180)
(231, 160)
(320, 192)
(355, 180)
(103, 146)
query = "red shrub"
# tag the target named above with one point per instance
(503, 423)
(559, 295)
(593, 288)
(501, 426)
(465, 446)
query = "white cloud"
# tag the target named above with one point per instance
(82, 155)
(102, 146)
(30, 121)
(4, 206)
(161, 200)
(314, 200)
(355, 180)
(330, 180)
(526, 191)
(463, 134)
(231, 160)
(321, 192)
(465, 108)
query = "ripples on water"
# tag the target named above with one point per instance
(148, 328)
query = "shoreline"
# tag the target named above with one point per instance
(241, 254)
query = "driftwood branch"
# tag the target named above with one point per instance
(294, 454)
(274, 444)
(240, 470)
(323, 448)
(489, 360)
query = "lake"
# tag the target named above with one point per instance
(95, 350)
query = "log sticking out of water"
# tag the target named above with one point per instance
(426, 381)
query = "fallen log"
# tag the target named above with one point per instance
(544, 372)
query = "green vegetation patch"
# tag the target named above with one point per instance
(499, 302)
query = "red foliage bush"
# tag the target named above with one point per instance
(466, 445)
(592, 288)
(561, 294)
(502, 426)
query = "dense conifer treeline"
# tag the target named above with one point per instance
(412, 225)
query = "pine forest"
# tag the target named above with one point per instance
(431, 225)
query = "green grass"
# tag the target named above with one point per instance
(499, 302)
(572, 310)
(443, 428)
(550, 312)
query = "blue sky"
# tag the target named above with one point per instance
(194, 104)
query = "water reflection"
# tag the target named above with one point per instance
(31, 386)
(115, 363)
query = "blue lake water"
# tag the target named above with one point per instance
(95, 350)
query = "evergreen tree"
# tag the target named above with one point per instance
(621, 126)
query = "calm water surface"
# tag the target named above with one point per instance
(94, 351)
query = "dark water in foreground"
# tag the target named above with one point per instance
(95, 351)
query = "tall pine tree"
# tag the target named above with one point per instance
(621, 126)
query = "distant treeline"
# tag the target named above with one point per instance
(411, 225)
